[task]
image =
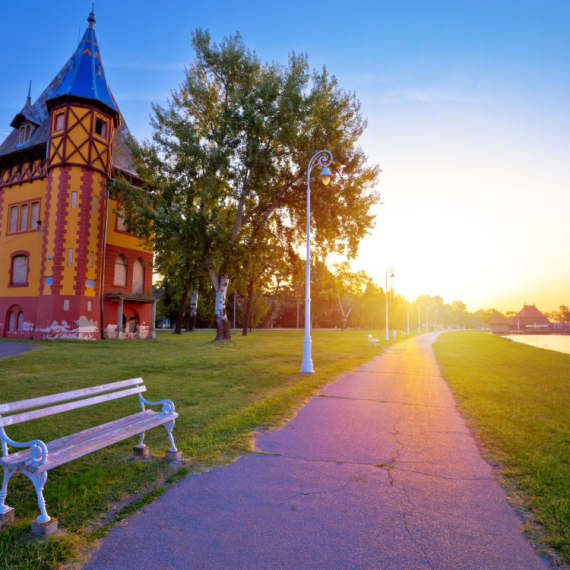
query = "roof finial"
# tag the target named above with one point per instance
(91, 18)
(30, 93)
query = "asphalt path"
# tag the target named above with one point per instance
(377, 471)
(14, 348)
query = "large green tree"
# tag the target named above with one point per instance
(234, 143)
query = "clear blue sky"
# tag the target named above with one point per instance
(468, 108)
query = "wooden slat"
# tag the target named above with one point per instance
(27, 416)
(66, 396)
(72, 447)
(57, 444)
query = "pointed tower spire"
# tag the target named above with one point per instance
(84, 74)
(27, 113)
(91, 18)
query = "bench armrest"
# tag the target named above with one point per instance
(38, 451)
(167, 405)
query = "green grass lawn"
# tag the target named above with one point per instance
(518, 398)
(222, 392)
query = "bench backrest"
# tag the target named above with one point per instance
(18, 418)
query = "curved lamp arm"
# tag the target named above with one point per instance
(321, 158)
(38, 451)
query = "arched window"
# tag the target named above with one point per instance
(20, 270)
(120, 271)
(138, 277)
(20, 321)
(12, 321)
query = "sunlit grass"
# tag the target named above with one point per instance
(518, 397)
(221, 391)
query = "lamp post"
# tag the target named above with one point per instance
(322, 158)
(235, 310)
(391, 271)
(408, 307)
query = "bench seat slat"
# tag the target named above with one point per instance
(42, 413)
(66, 396)
(71, 447)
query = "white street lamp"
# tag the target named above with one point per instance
(322, 158)
(391, 270)
(235, 310)
(408, 320)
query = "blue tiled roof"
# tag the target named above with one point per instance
(85, 76)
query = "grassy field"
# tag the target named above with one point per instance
(222, 392)
(518, 398)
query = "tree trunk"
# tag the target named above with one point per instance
(223, 331)
(193, 311)
(248, 308)
(343, 324)
(221, 284)
(181, 311)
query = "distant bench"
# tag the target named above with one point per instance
(39, 457)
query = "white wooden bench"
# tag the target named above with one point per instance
(373, 341)
(38, 457)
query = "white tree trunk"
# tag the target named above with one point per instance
(221, 284)
(222, 322)
(193, 311)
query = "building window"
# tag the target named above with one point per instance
(12, 321)
(70, 257)
(101, 128)
(59, 122)
(25, 133)
(91, 259)
(20, 270)
(49, 280)
(89, 305)
(120, 271)
(74, 199)
(23, 217)
(121, 223)
(138, 277)
(35, 215)
(66, 305)
(90, 283)
(20, 321)
(94, 203)
(13, 218)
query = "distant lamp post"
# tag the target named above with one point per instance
(408, 307)
(235, 296)
(391, 271)
(419, 319)
(322, 158)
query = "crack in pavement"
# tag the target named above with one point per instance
(385, 465)
(379, 465)
(416, 374)
(410, 506)
(321, 492)
(442, 476)
(385, 402)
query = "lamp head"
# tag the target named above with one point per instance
(392, 274)
(325, 175)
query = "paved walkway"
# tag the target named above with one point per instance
(14, 348)
(378, 472)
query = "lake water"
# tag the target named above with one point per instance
(558, 342)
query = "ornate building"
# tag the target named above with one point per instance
(68, 266)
